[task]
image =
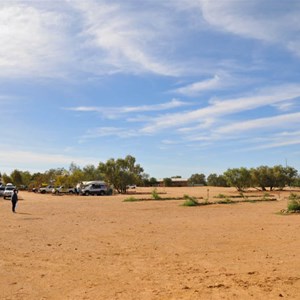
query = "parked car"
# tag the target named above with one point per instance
(2, 188)
(131, 186)
(8, 191)
(46, 189)
(94, 189)
(63, 190)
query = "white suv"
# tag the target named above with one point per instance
(94, 189)
(9, 190)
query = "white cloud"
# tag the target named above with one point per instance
(278, 141)
(33, 41)
(109, 131)
(127, 39)
(197, 87)
(287, 120)
(220, 108)
(114, 111)
(286, 106)
(255, 19)
(220, 81)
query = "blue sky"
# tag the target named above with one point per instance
(185, 86)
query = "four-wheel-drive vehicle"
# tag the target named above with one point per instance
(9, 190)
(2, 188)
(63, 190)
(46, 189)
(94, 189)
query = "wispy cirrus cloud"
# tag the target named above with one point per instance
(197, 87)
(127, 41)
(218, 108)
(275, 122)
(219, 81)
(255, 19)
(97, 37)
(115, 111)
(281, 139)
(109, 131)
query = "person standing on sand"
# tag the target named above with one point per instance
(14, 200)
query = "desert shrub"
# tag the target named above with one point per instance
(225, 200)
(155, 195)
(130, 199)
(190, 201)
(222, 196)
(294, 196)
(294, 202)
(241, 194)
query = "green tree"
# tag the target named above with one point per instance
(153, 181)
(296, 182)
(216, 180)
(73, 168)
(6, 179)
(37, 180)
(239, 178)
(282, 176)
(16, 178)
(90, 172)
(197, 179)
(75, 177)
(26, 178)
(50, 176)
(290, 175)
(167, 181)
(121, 172)
(262, 177)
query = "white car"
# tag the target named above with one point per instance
(63, 190)
(9, 190)
(46, 189)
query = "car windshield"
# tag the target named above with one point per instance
(9, 188)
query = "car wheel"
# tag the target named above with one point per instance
(102, 193)
(87, 193)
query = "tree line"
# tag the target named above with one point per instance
(122, 172)
(118, 173)
(262, 178)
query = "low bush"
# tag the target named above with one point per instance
(222, 196)
(190, 201)
(225, 200)
(131, 199)
(155, 195)
(294, 202)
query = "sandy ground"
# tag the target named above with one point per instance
(76, 247)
